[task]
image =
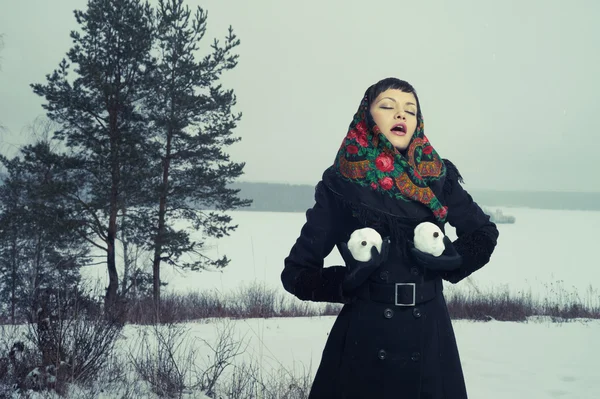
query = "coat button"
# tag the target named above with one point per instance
(384, 275)
(415, 356)
(388, 313)
(414, 271)
(382, 354)
(417, 312)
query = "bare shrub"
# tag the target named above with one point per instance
(248, 382)
(64, 342)
(166, 358)
(242, 381)
(224, 351)
(111, 378)
(254, 300)
(17, 358)
(284, 384)
(163, 358)
(74, 339)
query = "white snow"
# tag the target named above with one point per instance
(534, 360)
(429, 238)
(548, 253)
(361, 241)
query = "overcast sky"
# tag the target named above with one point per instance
(510, 90)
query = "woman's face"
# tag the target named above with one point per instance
(395, 113)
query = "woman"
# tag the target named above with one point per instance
(393, 337)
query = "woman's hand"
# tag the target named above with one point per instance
(359, 272)
(448, 260)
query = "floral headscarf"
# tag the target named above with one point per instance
(368, 159)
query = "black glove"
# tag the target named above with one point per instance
(359, 272)
(448, 260)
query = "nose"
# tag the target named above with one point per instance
(400, 114)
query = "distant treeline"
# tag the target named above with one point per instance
(275, 197)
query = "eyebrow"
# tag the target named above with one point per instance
(408, 103)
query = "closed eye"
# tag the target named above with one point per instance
(408, 112)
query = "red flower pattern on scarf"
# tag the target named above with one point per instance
(384, 162)
(386, 183)
(359, 136)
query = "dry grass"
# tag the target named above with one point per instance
(558, 303)
(251, 301)
(258, 301)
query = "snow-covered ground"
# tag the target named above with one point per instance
(550, 253)
(533, 360)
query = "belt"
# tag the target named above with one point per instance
(402, 294)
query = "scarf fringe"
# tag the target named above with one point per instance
(452, 174)
(386, 224)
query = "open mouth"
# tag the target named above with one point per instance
(399, 129)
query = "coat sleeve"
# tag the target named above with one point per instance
(304, 275)
(477, 234)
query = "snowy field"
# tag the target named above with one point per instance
(549, 253)
(534, 360)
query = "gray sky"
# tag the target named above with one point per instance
(509, 89)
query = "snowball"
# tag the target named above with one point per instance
(361, 241)
(429, 239)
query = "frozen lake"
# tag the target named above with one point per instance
(550, 253)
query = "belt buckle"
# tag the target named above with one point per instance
(414, 291)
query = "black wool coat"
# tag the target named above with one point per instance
(377, 349)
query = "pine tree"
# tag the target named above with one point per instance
(99, 112)
(193, 123)
(146, 136)
(40, 244)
